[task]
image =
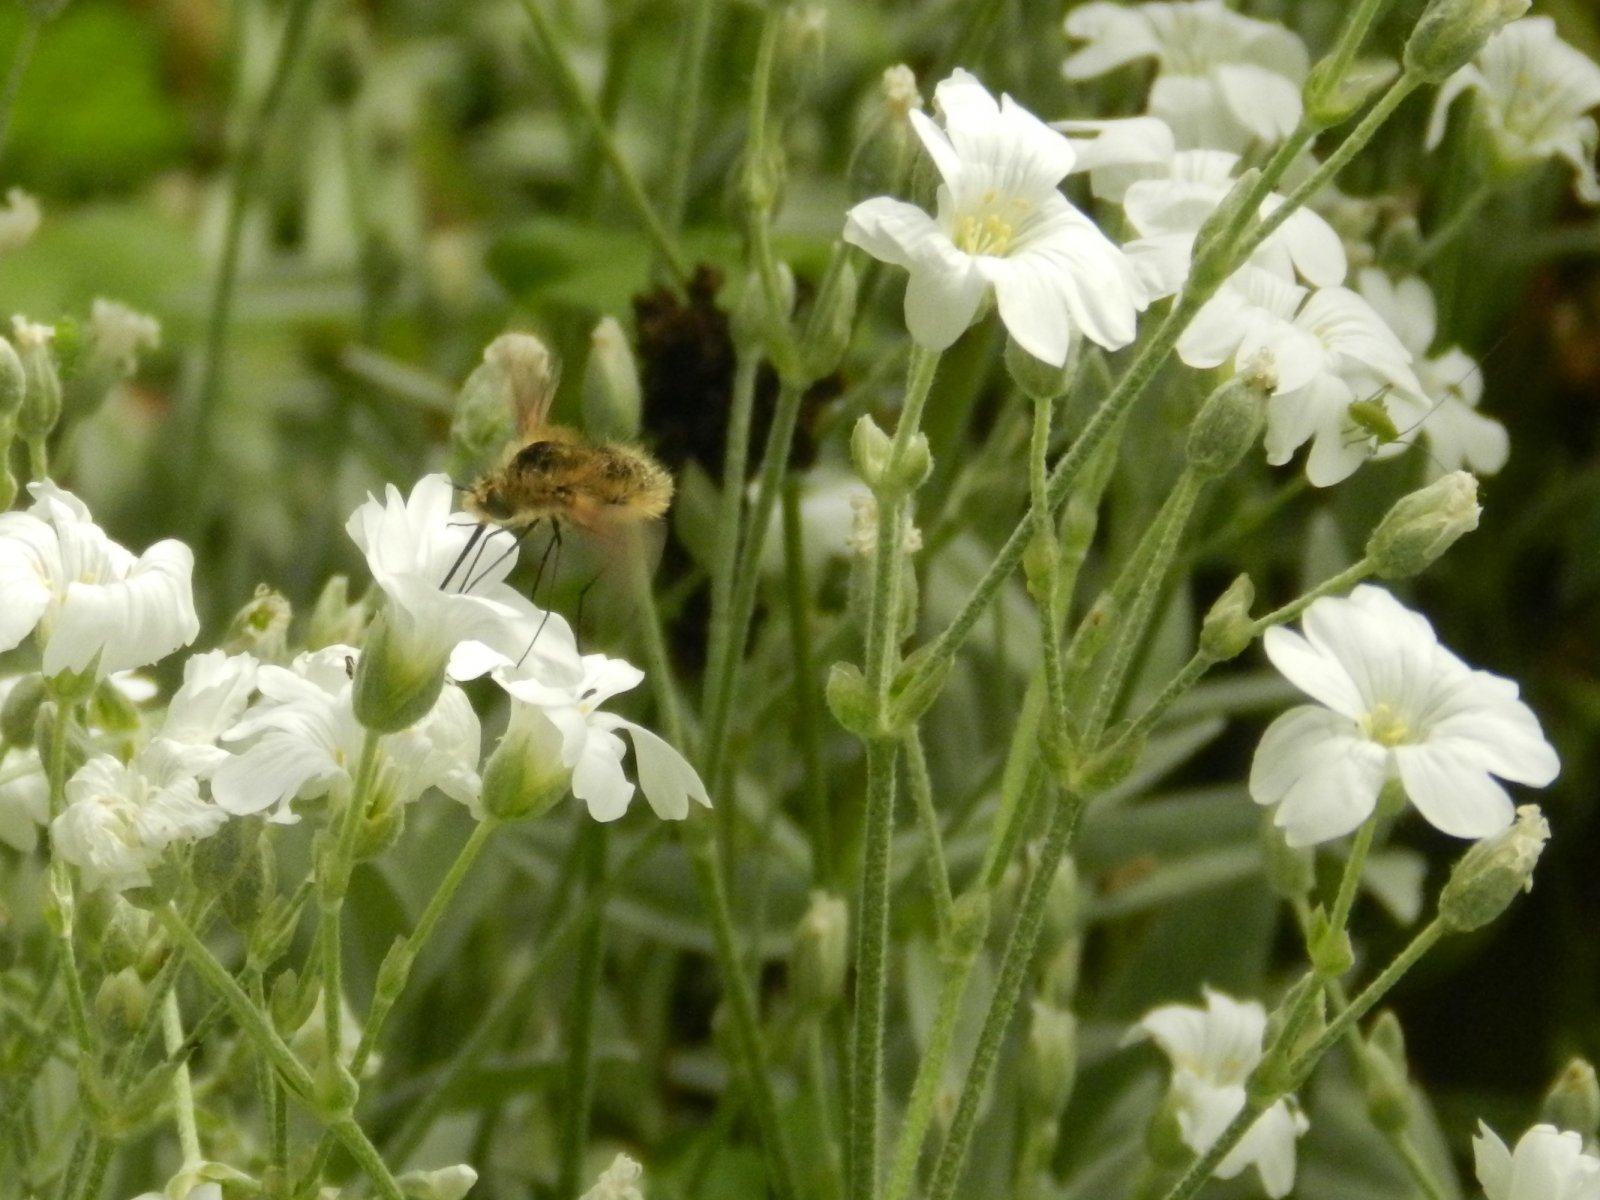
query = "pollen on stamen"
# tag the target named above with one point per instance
(1385, 725)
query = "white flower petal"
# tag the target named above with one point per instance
(1457, 797)
(665, 776)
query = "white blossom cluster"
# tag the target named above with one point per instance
(242, 737)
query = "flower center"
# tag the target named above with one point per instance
(989, 226)
(1385, 725)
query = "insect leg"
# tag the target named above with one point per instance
(472, 540)
(474, 580)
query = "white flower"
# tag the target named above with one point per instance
(1167, 194)
(1223, 79)
(1213, 1050)
(216, 687)
(121, 817)
(301, 737)
(24, 799)
(19, 219)
(89, 600)
(567, 697)
(442, 605)
(619, 1181)
(1548, 1164)
(829, 496)
(1534, 94)
(1001, 223)
(118, 333)
(1451, 381)
(1391, 704)
(1328, 350)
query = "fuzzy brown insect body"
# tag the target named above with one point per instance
(561, 478)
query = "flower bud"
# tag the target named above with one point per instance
(19, 219)
(1227, 629)
(969, 926)
(121, 1004)
(261, 627)
(41, 402)
(399, 678)
(1210, 266)
(883, 151)
(1229, 422)
(1038, 380)
(124, 936)
(802, 45)
(1423, 525)
(1451, 32)
(917, 684)
(525, 776)
(611, 392)
(1329, 947)
(517, 376)
(335, 621)
(869, 451)
(13, 386)
(20, 712)
(1291, 870)
(1386, 1083)
(1050, 1065)
(832, 321)
(447, 1183)
(111, 711)
(289, 1002)
(850, 700)
(1491, 873)
(1335, 91)
(821, 954)
(1573, 1101)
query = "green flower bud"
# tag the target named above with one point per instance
(1490, 874)
(524, 776)
(123, 939)
(397, 681)
(41, 401)
(113, 712)
(290, 1003)
(335, 621)
(611, 391)
(821, 954)
(334, 1090)
(917, 684)
(1050, 1065)
(832, 321)
(1335, 92)
(518, 375)
(13, 385)
(969, 926)
(1038, 380)
(1291, 870)
(20, 712)
(1330, 949)
(261, 627)
(850, 700)
(1229, 422)
(802, 45)
(1227, 629)
(870, 448)
(883, 152)
(1451, 32)
(1422, 526)
(121, 1004)
(1386, 1084)
(1573, 1101)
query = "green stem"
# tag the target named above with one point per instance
(572, 92)
(1020, 945)
(872, 954)
(1456, 224)
(1050, 602)
(930, 1073)
(921, 788)
(513, 1000)
(182, 1089)
(808, 720)
(258, 1028)
(1351, 879)
(742, 1003)
(577, 1094)
(197, 414)
(686, 115)
(331, 894)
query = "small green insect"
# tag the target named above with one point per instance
(1371, 417)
